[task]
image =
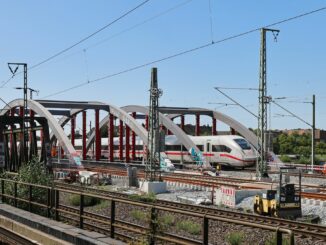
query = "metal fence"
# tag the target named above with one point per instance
(110, 223)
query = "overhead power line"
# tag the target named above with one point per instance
(186, 52)
(83, 39)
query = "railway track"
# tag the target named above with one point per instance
(300, 229)
(213, 182)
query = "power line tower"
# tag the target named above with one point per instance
(24, 152)
(261, 167)
(152, 170)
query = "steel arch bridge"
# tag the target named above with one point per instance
(129, 125)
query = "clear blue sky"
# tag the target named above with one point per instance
(34, 30)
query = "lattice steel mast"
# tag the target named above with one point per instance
(261, 167)
(152, 171)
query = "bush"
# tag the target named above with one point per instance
(74, 200)
(34, 172)
(235, 238)
(189, 226)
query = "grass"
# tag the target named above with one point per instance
(138, 215)
(165, 221)
(235, 238)
(149, 198)
(101, 205)
(189, 226)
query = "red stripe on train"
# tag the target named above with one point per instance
(235, 158)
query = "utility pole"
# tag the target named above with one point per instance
(152, 170)
(313, 129)
(24, 155)
(261, 167)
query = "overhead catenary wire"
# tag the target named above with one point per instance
(236, 102)
(291, 113)
(211, 19)
(186, 52)
(83, 39)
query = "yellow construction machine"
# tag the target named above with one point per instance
(285, 202)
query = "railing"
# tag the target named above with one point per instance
(113, 225)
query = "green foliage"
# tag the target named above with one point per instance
(285, 158)
(138, 215)
(34, 172)
(235, 238)
(74, 200)
(292, 144)
(150, 197)
(273, 241)
(165, 221)
(299, 145)
(304, 160)
(189, 226)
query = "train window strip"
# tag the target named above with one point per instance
(221, 148)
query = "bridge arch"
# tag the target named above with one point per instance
(168, 123)
(240, 128)
(53, 124)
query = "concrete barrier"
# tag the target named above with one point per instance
(230, 196)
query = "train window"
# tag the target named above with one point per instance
(173, 148)
(116, 147)
(226, 149)
(220, 148)
(200, 147)
(139, 147)
(216, 148)
(243, 144)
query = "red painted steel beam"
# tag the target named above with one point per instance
(12, 112)
(197, 129)
(127, 144)
(121, 140)
(97, 136)
(146, 122)
(182, 123)
(214, 132)
(31, 114)
(84, 135)
(133, 141)
(72, 129)
(232, 131)
(111, 135)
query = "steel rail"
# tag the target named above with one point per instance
(299, 228)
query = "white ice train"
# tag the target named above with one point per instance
(229, 150)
